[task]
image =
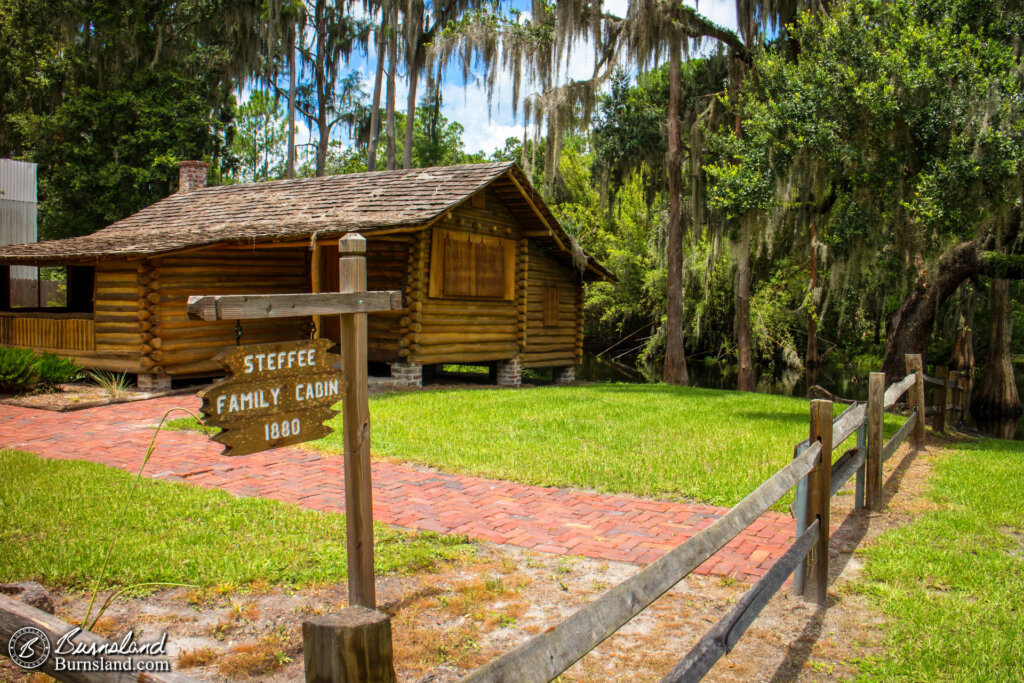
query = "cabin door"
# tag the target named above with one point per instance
(330, 324)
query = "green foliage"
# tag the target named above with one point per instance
(951, 582)
(54, 370)
(261, 134)
(108, 96)
(436, 141)
(113, 384)
(899, 114)
(18, 372)
(58, 525)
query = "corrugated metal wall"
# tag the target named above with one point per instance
(18, 208)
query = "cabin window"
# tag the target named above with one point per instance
(468, 266)
(550, 307)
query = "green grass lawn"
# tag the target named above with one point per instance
(650, 440)
(59, 517)
(952, 582)
(647, 439)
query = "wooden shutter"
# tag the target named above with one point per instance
(458, 267)
(551, 307)
(466, 265)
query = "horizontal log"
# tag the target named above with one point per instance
(563, 356)
(430, 358)
(899, 437)
(845, 467)
(848, 423)
(431, 338)
(509, 346)
(894, 392)
(245, 307)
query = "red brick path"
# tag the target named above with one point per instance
(610, 527)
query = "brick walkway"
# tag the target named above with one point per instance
(611, 527)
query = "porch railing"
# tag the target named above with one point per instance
(51, 331)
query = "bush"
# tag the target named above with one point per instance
(54, 370)
(18, 372)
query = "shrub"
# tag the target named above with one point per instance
(54, 370)
(18, 371)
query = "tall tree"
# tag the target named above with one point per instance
(324, 100)
(995, 397)
(261, 137)
(95, 107)
(650, 31)
(936, 159)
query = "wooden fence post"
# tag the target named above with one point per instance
(953, 395)
(873, 462)
(819, 498)
(965, 394)
(356, 425)
(940, 394)
(916, 395)
(353, 646)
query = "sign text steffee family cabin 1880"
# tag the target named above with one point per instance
(275, 395)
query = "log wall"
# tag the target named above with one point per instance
(180, 346)
(116, 313)
(464, 330)
(387, 268)
(560, 342)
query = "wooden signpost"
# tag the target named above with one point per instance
(275, 395)
(281, 393)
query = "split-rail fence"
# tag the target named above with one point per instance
(355, 645)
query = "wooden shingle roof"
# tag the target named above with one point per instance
(290, 209)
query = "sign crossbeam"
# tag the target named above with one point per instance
(261, 306)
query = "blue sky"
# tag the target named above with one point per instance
(486, 127)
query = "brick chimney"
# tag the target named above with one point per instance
(192, 175)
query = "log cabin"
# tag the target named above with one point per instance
(488, 275)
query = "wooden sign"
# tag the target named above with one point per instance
(275, 395)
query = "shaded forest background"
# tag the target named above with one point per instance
(832, 183)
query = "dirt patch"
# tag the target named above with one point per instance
(79, 395)
(447, 622)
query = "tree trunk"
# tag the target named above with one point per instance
(996, 396)
(675, 360)
(812, 358)
(292, 86)
(745, 373)
(323, 128)
(371, 148)
(912, 323)
(410, 115)
(392, 65)
(963, 349)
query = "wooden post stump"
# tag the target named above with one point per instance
(916, 395)
(873, 463)
(819, 498)
(353, 646)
